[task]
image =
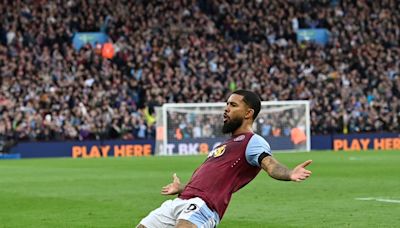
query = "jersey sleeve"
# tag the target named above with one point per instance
(256, 146)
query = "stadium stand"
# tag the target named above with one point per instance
(193, 51)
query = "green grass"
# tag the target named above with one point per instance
(118, 192)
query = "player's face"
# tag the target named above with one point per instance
(235, 111)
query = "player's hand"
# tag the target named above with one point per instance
(300, 173)
(172, 188)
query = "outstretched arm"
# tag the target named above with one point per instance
(174, 188)
(280, 172)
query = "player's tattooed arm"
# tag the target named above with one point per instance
(275, 169)
(280, 172)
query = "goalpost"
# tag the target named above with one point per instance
(195, 128)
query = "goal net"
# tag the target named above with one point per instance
(195, 128)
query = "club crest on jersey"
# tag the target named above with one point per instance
(217, 151)
(239, 138)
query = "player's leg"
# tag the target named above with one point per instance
(197, 214)
(162, 217)
(185, 224)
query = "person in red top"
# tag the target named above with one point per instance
(228, 167)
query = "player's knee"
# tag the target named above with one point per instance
(185, 224)
(140, 226)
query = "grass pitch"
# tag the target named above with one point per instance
(347, 189)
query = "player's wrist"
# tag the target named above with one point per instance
(291, 176)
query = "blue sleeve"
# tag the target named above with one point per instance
(256, 146)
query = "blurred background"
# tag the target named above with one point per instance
(95, 70)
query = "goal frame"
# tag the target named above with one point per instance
(166, 106)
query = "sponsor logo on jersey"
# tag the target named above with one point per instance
(239, 138)
(219, 151)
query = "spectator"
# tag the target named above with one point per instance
(194, 51)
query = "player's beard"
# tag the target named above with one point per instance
(231, 125)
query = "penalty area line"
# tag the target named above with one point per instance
(378, 199)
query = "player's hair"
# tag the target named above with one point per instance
(251, 99)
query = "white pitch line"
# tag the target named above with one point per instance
(365, 199)
(378, 199)
(388, 200)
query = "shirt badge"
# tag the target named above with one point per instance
(217, 151)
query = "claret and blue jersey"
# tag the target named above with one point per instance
(228, 167)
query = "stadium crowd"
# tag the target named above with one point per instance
(193, 51)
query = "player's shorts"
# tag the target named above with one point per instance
(194, 210)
